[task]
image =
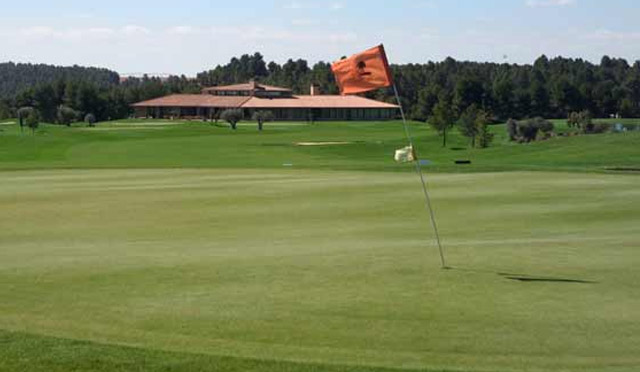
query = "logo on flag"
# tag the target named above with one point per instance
(363, 72)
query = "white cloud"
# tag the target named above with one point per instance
(608, 35)
(182, 30)
(428, 34)
(550, 3)
(101, 32)
(336, 6)
(38, 31)
(294, 5)
(130, 30)
(304, 22)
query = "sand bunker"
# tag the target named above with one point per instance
(322, 143)
(150, 123)
(119, 129)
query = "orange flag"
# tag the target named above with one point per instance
(363, 72)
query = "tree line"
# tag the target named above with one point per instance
(549, 88)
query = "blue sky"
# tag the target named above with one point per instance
(190, 36)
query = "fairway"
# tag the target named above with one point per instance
(332, 270)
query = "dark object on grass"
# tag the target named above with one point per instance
(543, 279)
(463, 162)
(623, 169)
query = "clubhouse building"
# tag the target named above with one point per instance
(252, 96)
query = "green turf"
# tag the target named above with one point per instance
(199, 251)
(166, 144)
(327, 267)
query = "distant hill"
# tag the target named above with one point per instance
(15, 78)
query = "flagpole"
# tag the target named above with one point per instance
(407, 132)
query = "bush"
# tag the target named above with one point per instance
(528, 130)
(545, 126)
(597, 128)
(581, 120)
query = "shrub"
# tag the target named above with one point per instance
(545, 126)
(527, 130)
(597, 128)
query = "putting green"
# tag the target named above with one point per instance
(328, 267)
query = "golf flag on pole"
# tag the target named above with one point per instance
(368, 71)
(363, 72)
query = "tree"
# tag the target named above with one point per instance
(66, 115)
(468, 91)
(32, 120)
(512, 129)
(261, 117)
(482, 124)
(232, 116)
(23, 113)
(442, 118)
(5, 110)
(474, 124)
(90, 119)
(467, 124)
(626, 108)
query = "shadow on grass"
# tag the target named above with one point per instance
(543, 279)
(526, 277)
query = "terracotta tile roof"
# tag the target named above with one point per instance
(246, 87)
(317, 102)
(194, 100)
(302, 102)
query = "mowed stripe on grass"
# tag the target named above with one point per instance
(327, 267)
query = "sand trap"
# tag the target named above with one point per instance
(8, 123)
(270, 124)
(118, 129)
(322, 143)
(151, 124)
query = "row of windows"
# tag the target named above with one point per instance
(245, 93)
(286, 114)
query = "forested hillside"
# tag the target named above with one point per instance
(549, 87)
(15, 78)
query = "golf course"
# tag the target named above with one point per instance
(157, 245)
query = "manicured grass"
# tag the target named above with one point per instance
(24, 352)
(370, 146)
(177, 246)
(322, 268)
